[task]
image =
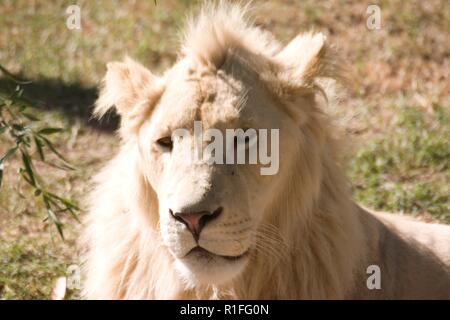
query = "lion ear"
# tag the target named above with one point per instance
(305, 58)
(124, 86)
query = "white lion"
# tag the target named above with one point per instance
(160, 227)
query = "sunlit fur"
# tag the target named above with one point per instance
(307, 238)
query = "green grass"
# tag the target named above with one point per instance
(29, 269)
(401, 162)
(37, 38)
(407, 168)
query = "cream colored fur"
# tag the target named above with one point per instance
(303, 235)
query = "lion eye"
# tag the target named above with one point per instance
(165, 142)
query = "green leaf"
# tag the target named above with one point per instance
(66, 202)
(64, 166)
(22, 109)
(48, 131)
(28, 167)
(3, 129)
(24, 176)
(74, 214)
(30, 117)
(19, 91)
(8, 154)
(17, 127)
(12, 77)
(56, 221)
(39, 146)
(53, 149)
(53, 217)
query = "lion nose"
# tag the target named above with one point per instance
(195, 221)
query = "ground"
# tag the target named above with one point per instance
(395, 111)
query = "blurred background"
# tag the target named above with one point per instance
(396, 112)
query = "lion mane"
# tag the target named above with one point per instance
(321, 242)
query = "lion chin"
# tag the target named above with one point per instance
(162, 227)
(202, 267)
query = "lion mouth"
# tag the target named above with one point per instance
(202, 253)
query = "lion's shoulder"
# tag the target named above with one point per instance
(432, 236)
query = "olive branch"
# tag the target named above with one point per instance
(31, 142)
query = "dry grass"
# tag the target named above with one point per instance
(396, 112)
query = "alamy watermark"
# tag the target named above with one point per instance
(73, 277)
(73, 21)
(373, 21)
(374, 280)
(238, 146)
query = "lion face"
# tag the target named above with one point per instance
(208, 212)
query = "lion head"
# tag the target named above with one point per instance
(211, 217)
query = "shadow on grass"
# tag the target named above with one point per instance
(72, 100)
